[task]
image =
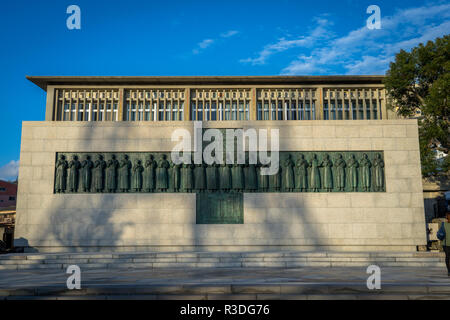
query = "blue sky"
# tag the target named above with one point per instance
(195, 38)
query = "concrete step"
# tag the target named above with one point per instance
(245, 291)
(40, 256)
(220, 259)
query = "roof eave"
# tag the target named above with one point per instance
(44, 81)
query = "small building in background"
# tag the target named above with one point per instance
(8, 196)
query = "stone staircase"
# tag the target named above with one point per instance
(150, 260)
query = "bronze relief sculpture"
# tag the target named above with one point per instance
(353, 166)
(124, 174)
(86, 173)
(327, 173)
(299, 172)
(212, 177)
(379, 172)
(237, 177)
(111, 174)
(340, 166)
(99, 171)
(149, 173)
(176, 176)
(250, 178)
(225, 177)
(365, 165)
(162, 176)
(289, 174)
(315, 174)
(137, 176)
(187, 177)
(60, 176)
(74, 166)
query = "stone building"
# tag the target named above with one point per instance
(8, 194)
(98, 174)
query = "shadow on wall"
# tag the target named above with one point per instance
(79, 222)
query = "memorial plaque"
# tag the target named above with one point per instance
(220, 208)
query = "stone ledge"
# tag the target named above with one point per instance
(337, 290)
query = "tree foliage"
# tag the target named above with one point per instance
(419, 80)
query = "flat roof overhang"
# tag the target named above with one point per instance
(44, 81)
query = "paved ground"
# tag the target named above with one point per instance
(258, 283)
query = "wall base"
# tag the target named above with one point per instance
(221, 249)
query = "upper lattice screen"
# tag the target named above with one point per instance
(151, 99)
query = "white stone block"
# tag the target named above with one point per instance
(394, 131)
(347, 132)
(341, 230)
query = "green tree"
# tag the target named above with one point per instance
(419, 80)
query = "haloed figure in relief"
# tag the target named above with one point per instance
(74, 167)
(176, 176)
(250, 181)
(187, 179)
(353, 165)
(162, 175)
(365, 172)
(237, 177)
(315, 174)
(225, 177)
(124, 174)
(379, 172)
(149, 173)
(61, 173)
(212, 177)
(99, 170)
(137, 176)
(111, 174)
(274, 180)
(327, 174)
(340, 165)
(301, 182)
(288, 174)
(263, 178)
(200, 177)
(86, 174)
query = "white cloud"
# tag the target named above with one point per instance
(361, 51)
(9, 171)
(206, 43)
(320, 32)
(369, 65)
(429, 33)
(307, 66)
(229, 33)
(209, 42)
(202, 45)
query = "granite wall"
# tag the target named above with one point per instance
(382, 221)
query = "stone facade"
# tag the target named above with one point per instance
(392, 220)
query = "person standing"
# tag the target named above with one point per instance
(444, 235)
